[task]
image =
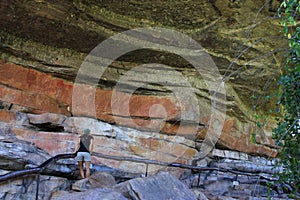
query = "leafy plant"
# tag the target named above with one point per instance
(287, 133)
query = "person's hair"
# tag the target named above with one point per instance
(86, 131)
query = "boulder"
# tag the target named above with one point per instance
(160, 186)
(80, 185)
(96, 180)
(101, 180)
(92, 194)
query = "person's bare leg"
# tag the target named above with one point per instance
(87, 168)
(80, 165)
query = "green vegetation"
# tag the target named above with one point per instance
(287, 133)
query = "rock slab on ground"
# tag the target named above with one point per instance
(92, 194)
(96, 180)
(161, 186)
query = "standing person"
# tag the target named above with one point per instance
(84, 149)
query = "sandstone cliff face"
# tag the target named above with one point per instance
(27, 140)
(43, 44)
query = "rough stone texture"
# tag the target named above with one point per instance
(25, 188)
(219, 185)
(102, 180)
(213, 184)
(235, 135)
(123, 189)
(246, 179)
(57, 134)
(96, 180)
(200, 195)
(52, 142)
(16, 154)
(247, 166)
(92, 194)
(34, 89)
(42, 46)
(80, 186)
(230, 154)
(51, 118)
(7, 116)
(242, 37)
(155, 187)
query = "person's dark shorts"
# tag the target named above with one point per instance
(83, 156)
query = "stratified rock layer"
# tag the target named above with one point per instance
(31, 91)
(225, 173)
(43, 44)
(63, 133)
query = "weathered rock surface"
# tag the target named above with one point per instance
(25, 187)
(92, 194)
(242, 37)
(96, 180)
(247, 175)
(236, 135)
(42, 46)
(155, 187)
(63, 132)
(102, 179)
(16, 154)
(245, 178)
